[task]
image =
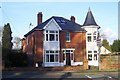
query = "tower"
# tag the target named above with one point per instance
(92, 29)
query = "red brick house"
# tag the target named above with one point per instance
(56, 42)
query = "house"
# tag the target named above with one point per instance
(92, 37)
(56, 42)
(103, 50)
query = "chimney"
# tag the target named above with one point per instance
(39, 18)
(72, 18)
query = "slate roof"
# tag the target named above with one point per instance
(89, 19)
(65, 24)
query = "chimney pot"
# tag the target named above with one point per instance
(72, 18)
(39, 18)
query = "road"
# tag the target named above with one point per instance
(36, 75)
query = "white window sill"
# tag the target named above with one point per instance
(50, 41)
(67, 41)
(51, 62)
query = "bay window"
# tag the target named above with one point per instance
(51, 35)
(51, 56)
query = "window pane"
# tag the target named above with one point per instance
(52, 31)
(89, 38)
(89, 34)
(52, 37)
(67, 36)
(51, 58)
(47, 31)
(89, 57)
(56, 31)
(67, 51)
(63, 56)
(47, 58)
(51, 51)
(46, 37)
(95, 51)
(56, 58)
(56, 51)
(94, 33)
(72, 56)
(95, 56)
(56, 37)
(47, 51)
(89, 51)
(94, 37)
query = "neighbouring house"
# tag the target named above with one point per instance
(103, 50)
(93, 40)
(57, 42)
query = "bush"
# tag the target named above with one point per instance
(18, 59)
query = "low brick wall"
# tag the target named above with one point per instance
(64, 68)
(109, 62)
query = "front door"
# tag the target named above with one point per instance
(68, 61)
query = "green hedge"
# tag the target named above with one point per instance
(16, 58)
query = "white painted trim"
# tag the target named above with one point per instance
(68, 49)
(50, 22)
(49, 35)
(76, 63)
(57, 24)
(90, 26)
(70, 54)
(53, 64)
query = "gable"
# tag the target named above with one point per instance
(52, 25)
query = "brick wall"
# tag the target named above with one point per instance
(109, 62)
(39, 46)
(78, 42)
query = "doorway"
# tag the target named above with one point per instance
(68, 59)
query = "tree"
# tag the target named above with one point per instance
(1, 30)
(17, 41)
(105, 43)
(116, 46)
(6, 44)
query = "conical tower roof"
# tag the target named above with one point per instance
(89, 19)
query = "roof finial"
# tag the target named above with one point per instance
(89, 9)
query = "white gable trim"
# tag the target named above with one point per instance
(91, 26)
(54, 22)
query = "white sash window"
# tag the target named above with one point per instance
(51, 35)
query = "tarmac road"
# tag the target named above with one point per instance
(58, 75)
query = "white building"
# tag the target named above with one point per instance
(91, 39)
(103, 50)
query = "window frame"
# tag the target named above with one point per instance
(67, 36)
(89, 57)
(51, 52)
(89, 38)
(50, 33)
(95, 57)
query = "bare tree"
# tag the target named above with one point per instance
(17, 42)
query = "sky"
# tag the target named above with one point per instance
(21, 14)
